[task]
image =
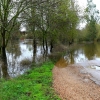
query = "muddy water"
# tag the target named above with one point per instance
(85, 55)
(20, 55)
(62, 63)
(23, 50)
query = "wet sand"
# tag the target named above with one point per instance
(75, 82)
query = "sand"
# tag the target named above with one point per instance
(70, 83)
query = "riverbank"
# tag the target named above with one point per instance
(36, 84)
(71, 84)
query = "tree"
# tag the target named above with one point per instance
(98, 34)
(10, 10)
(92, 18)
(66, 19)
(37, 19)
(56, 19)
(29, 17)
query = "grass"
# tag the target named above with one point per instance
(36, 84)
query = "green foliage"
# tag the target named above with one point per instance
(92, 19)
(92, 31)
(29, 36)
(56, 19)
(34, 85)
(9, 21)
(66, 20)
(98, 34)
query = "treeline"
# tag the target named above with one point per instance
(50, 21)
(91, 32)
(83, 35)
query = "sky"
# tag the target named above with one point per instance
(83, 4)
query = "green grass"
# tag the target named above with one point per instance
(36, 84)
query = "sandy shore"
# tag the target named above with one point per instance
(71, 84)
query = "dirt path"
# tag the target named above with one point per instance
(71, 84)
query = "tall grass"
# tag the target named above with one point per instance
(36, 84)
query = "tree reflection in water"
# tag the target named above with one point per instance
(82, 52)
(16, 52)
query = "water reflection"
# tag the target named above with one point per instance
(83, 52)
(90, 51)
(61, 63)
(18, 52)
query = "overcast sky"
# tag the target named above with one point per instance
(83, 3)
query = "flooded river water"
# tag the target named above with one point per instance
(20, 55)
(85, 55)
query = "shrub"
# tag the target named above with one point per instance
(25, 62)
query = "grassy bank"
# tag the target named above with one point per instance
(34, 85)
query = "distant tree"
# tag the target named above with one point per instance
(98, 34)
(66, 20)
(38, 19)
(56, 19)
(92, 17)
(30, 18)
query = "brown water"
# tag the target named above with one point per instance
(61, 63)
(23, 50)
(80, 53)
(20, 56)
(83, 52)
(85, 55)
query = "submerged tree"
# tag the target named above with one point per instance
(9, 13)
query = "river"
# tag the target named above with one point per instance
(86, 55)
(20, 55)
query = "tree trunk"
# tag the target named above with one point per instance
(4, 63)
(34, 45)
(0, 50)
(3, 54)
(34, 53)
(71, 42)
(4, 70)
(4, 57)
(43, 42)
(3, 51)
(51, 46)
(46, 45)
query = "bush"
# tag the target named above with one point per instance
(25, 62)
